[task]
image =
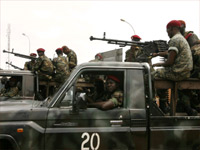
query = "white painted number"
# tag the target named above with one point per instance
(86, 137)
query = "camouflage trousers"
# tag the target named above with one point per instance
(44, 77)
(60, 77)
(169, 75)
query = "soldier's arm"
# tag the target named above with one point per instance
(13, 92)
(193, 39)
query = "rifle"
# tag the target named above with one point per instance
(19, 55)
(147, 47)
(14, 66)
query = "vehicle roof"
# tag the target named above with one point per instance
(113, 64)
(15, 72)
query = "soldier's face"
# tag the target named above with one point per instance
(170, 32)
(40, 53)
(111, 85)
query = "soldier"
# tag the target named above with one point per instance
(194, 43)
(98, 57)
(113, 97)
(61, 67)
(29, 65)
(43, 66)
(134, 51)
(191, 97)
(12, 89)
(72, 58)
(179, 62)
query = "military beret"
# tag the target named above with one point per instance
(114, 78)
(182, 22)
(59, 50)
(135, 37)
(33, 54)
(173, 23)
(40, 50)
(99, 55)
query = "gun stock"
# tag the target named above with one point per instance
(19, 55)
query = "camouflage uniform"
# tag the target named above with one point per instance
(116, 97)
(180, 70)
(190, 98)
(72, 58)
(183, 63)
(13, 91)
(133, 53)
(61, 68)
(29, 65)
(44, 67)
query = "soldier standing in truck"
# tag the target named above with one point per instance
(29, 65)
(113, 97)
(61, 67)
(72, 57)
(134, 51)
(178, 64)
(43, 66)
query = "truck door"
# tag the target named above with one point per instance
(136, 104)
(71, 125)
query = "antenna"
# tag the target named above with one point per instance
(8, 34)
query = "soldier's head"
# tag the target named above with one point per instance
(40, 51)
(135, 38)
(112, 83)
(98, 56)
(12, 81)
(59, 51)
(4, 80)
(173, 27)
(66, 50)
(33, 55)
(183, 26)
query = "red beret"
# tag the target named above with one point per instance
(41, 50)
(99, 55)
(113, 78)
(33, 54)
(173, 23)
(182, 22)
(135, 37)
(59, 49)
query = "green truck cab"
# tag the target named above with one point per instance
(63, 121)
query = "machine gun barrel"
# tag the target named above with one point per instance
(19, 55)
(122, 43)
(16, 67)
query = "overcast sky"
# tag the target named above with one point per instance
(52, 24)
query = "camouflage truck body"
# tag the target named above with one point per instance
(64, 122)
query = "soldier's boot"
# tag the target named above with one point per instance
(164, 106)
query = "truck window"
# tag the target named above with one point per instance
(91, 87)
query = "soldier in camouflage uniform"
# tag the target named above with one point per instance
(179, 62)
(29, 65)
(61, 67)
(12, 89)
(134, 51)
(72, 58)
(113, 96)
(43, 66)
(192, 97)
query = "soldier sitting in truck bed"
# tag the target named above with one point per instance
(179, 62)
(113, 97)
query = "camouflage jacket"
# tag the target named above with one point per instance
(72, 58)
(44, 65)
(183, 61)
(191, 38)
(61, 66)
(133, 53)
(13, 91)
(116, 97)
(29, 65)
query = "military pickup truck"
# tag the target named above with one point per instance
(28, 84)
(64, 122)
